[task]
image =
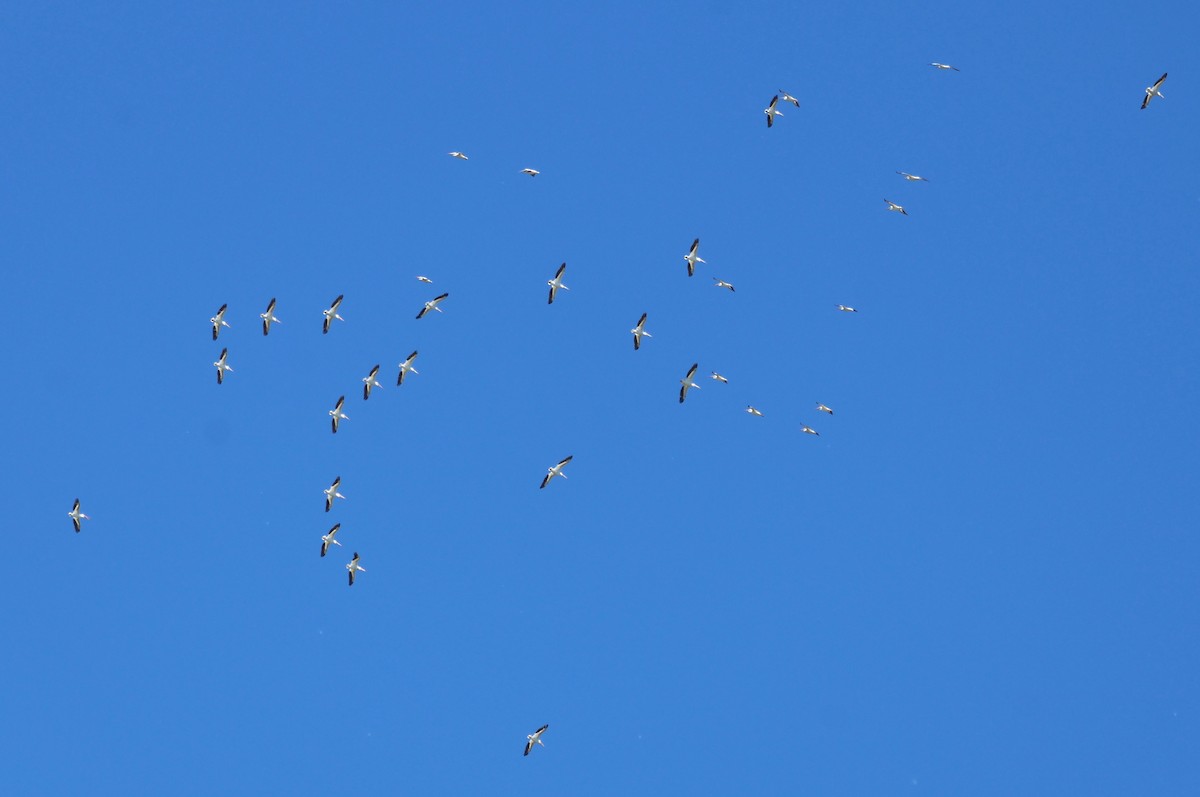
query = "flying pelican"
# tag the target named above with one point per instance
(687, 382)
(268, 317)
(458, 155)
(823, 408)
(218, 321)
(355, 567)
(331, 314)
(557, 470)
(222, 366)
(332, 492)
(369, 382)
(771, 112)
(809, 430)
(723, 283)
(783, 95)
(328, 539)
(77, 516)
(753, 411)
(846, 308)
(1152, 91)
(432, 304)
(557, 283)
(535, 738)
(424, 279)
(913, 178)
(692, 258)
(405, 367)
(945, 66)
(717, 377)
(639, 332)
(893, 206)
(531, 172)
(337, 415)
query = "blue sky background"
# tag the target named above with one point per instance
(980, 579)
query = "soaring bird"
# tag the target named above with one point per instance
(369, 382)
(432, 304)
(809, 430)
(355, 567)
(331, 493)
(771, 112)
(331, 314)
(337, 415)
(687, 382)
(268, 317)
(556, 470)
(557, 283)
(1152, 91)
(531, 172)
(912, 178)
(718, 378)
(692, 258)
(783, 95)
(534, 738)
(945, 66)
(458, 155)
(77, 516)
(640, 332)
(846, 308)
(723, 283)
(219, 321)
(222, 366)
(750, 409)
(405, 367)
(328, 539)
(423, 278)
(823, 408)
(895, 207)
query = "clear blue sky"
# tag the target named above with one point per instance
(979, 579)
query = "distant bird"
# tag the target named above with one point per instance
(557, 283)
(895, 207)
(945, 66)
(846, 309)
(327, 539)
(911, 178)
(687, 382)
(331, 314)
(432, 304)
(823, 408)
(692, 258)
(332, 492)
(534, 738)
(771, 112)
(753, 411)
(556, 470)
(717, 377)
(355, 567)
(723, 283)
(222, 366)
(640, 332)
(1152, 91)
(337, 415)
(405, 367)
(268, 317)
(77, 516)
(219, 321)
(531, 172)
(424, 279)
(370, 382)
(458, 155)
(809, 430)
(783, 95)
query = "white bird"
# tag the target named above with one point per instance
(369, 382)
(534, 738)
(219, 321)
(912, 178)
(222, 366)
(458, 155)
(432, 304)
(687, 382)
(355, 567)
(771, 112)
(823, 408)
(723, 283)
(332, 492)
(846, 308)
(424, 279)
(531, 172)
(328, 539)
(268, 317)
(557, 470)
(809, 430)
(893, 206)
(405, 367)
(77, 516)
(337, 415)
(639, 332)
(691, 258)
(331, 314)
(753, 411)
(945, 66)
(1152, 91)
(557, 283)
(783, 95)
(718, 378)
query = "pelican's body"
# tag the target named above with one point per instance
(556, 470)
(823, 408)
(432, 304)
(331, 493)
(846, 308)
(945, 66)
(640, 332)
(1153, 91)
(557, 283)
(328, 539)
(222, 366)
(912, 178)
(771, 111)
(459, 155)
(369, 382)
(783, 95)
(688, 382)
(534, 738)
(718, 378)
(355, 567)
(692, 258)
(750, 409)
(898, 208)
(219, 321)
(268, 317)
(337, 415)
(331, 314)
(722, 283)
(406, 367)
(809, 430)
(77, 516)
(531, 172)
(424, 279)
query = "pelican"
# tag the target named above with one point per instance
(458, 155)
(846, 308)
(77, 516)
(945, 66)
(557, 470)
(331, 314)
(432, 304)
(328, 539)
(692, 258)
(557, 283)
(268, 317)
(332, 492)
(534, 738)
(771, 112)
(687, 382)
(783, 95)
(823, 408)
(424, 279)
(405, 367)
(893, 206)
(912, 178)
(219, 321)
(222, 366)
(355, 567)
(1152, 91)
(809, 430)
(723, 283)
(639, 332)
(337, 415)
(718, 378)
(370, 382)
(531, 172)
(750, 409)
